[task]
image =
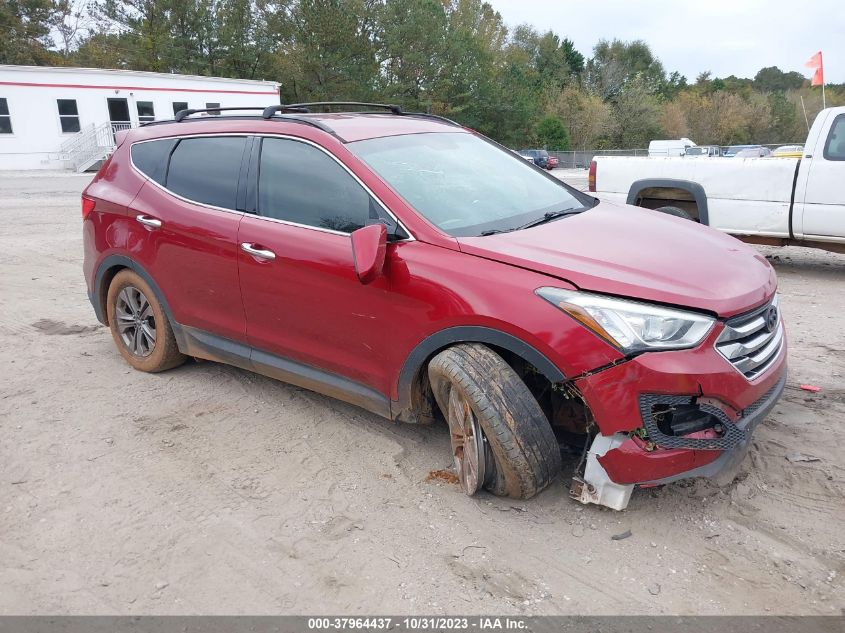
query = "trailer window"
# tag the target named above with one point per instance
(146, 112)
(5, 119)
(68, 115)
(179, 106)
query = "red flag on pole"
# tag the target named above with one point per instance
(815, 63)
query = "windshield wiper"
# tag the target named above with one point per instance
(547, 217)
(494, 231)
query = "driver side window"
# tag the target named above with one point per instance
(300, 183)
(834, 148)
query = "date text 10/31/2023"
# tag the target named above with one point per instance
(416, 623)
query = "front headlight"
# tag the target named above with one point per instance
(629, 325)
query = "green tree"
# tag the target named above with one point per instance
(103, 50)
(773, 78)
(25, 31)
(616, 63)
(412, 40)
(787, 123)
(516, 100)
(466, 89)
(449, 57)
(588, 118)
(674, 83)
(637, 113)
(327, 50)
(557, 60)
(552, 134)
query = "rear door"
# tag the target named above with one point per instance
(823, 210)
(302, 298)
(185, 228)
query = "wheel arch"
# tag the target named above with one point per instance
(413, 402)
(693, 190)
(106, 271)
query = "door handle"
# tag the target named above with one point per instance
(148, 221)
(260, 253)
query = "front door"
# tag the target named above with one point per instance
(119, 111)
(118, 116)
(823, 209)
(302, 298)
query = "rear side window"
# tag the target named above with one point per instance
(150, 158)
(834, 148)
(299, 183)
(206, 170)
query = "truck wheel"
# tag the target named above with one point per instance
(676, 211)
(501, 440)
(139, 327)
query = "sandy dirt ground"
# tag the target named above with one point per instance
(208, 489)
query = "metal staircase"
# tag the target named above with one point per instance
(91, 144)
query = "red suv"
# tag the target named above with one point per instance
(417, 269)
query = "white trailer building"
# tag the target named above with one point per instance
(66, 118)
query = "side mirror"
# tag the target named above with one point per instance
(369, 245)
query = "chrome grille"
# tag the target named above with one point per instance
(752, 342)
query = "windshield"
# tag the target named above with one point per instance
(465, 185)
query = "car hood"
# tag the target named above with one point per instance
(638, 253)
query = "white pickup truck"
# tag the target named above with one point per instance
(776, 201)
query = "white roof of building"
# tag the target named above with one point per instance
(126, 76)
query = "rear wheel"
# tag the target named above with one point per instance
(139, 327)
(501, 440)
(676, 211)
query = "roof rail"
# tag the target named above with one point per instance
(394, 109)
(306, 107)
(433, 116)
(182, 114)
(301, 108)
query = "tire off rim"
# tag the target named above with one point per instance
(500, 438)
(468, 445)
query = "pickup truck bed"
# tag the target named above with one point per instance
(763, 200)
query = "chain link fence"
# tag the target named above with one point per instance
(581, 158)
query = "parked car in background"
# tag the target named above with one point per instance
(788, 151)
(671, 147)
(703, 150)
(798, 201)
(416, 269)
(530, 159)
(732, 150)
(754, 152)
(539, 156)
(552, 162)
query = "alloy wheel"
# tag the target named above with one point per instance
(468, 443)
(135, 321)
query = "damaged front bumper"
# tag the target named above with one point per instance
(668, 416)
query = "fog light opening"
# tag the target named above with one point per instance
(684, 419)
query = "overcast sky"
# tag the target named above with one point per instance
(727, 37)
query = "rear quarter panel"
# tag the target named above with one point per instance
(105, 231)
